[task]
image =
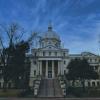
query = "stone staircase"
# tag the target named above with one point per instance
(58, 90)
(50, 88)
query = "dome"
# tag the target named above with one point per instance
(50, 34)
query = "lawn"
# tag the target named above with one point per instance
(9, 93)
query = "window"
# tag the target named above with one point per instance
(95, 67)
(88, 84)
(49, 53)
(98, 84)
(43, 53)
(34, 72)
(90, 60)
(49, 47)
(35, 54)
(55, 53)
(95, 60)
(64, 54)
(42, 44)
(64, 62)
(34, 62)
(93, 83)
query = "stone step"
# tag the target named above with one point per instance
(50, 88)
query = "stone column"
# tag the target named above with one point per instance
(53, 74)
(40, 68)
(46, 68)
(61, 66)
(58, 68)
(37, 71)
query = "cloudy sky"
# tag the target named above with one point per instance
(77, 22)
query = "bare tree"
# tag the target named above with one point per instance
(14, 34)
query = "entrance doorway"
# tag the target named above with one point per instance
(49, 74)
(49, 69)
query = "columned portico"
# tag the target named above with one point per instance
(50, 68)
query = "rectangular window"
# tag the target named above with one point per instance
(64, 62)
(90, 60)
(43, 53)
(49, 53)
(34, 62)
(35, 54)
(34, 72)
(64, 54)
(96, 60)
(55, 53)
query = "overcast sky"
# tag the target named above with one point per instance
(77, 22)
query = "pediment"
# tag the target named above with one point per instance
(88, 54)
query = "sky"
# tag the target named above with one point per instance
(77, 22)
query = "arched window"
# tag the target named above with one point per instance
(98, 83)
(89, 84)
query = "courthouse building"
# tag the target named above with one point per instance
(50, 59)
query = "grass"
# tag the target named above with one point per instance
(9, 93)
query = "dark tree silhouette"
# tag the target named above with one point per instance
(80, 69)
(13, 55)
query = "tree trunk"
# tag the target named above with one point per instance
(5, 86)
